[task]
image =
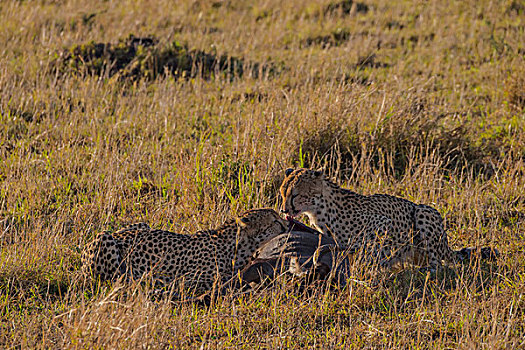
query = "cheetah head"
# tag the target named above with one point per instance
(301, 191)
(259, 225)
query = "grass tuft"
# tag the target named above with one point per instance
(143, 57)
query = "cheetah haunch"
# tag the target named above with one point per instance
(199, 258)
(391, 230)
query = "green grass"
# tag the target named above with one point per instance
(423, 100)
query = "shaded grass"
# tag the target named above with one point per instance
(144, 57)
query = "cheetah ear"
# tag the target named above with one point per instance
(242, 222)
(319, 172)
(288, 171)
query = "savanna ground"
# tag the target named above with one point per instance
(196, 122)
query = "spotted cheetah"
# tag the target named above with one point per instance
(198, 258)
(393, 230)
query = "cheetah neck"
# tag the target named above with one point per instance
(329, 209)
(237, 250)
(245, 249)
(223, 242)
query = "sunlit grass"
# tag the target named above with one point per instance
(422, 100)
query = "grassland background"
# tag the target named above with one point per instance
(423, 100)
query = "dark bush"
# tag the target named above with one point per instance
(135, 57)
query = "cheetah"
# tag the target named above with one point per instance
(392, 230)
(199, 258)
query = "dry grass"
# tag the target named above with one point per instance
(422, 100)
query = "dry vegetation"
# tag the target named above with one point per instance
(420, 100)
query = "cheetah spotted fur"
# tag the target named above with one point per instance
(199, 258)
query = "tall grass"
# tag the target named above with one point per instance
(422, 100)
